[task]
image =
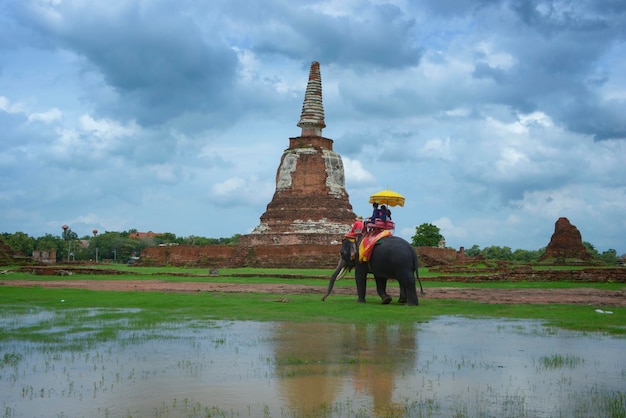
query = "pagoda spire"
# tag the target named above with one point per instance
(312, 117)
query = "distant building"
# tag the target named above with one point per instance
(45, 256)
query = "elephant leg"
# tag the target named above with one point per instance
(381, 288)
(410, 291)
(402, 298)
(360, 286)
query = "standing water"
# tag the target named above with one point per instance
(450, 366)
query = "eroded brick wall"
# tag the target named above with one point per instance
(263, 240)
(297, 256)
(231, 256)
(590, 275)
(182, 255)
(317, 251)
(431, 256)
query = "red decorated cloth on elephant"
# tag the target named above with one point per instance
(369, 242)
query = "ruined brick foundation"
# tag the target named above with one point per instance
(311, 254)
(234, 256)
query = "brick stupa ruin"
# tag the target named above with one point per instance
(310, 204)
(566, 243)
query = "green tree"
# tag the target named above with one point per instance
(591, 249)
(168, 238)
(114, 246)
(234, 240)
(497, 253)
(20, 242)
(526, 256)
(609, 257)
(51, 242)
(473, 252)
(70, 237)
(200, 241)
(426, 235)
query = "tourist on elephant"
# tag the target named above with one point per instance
(375, 212)
(384, 213)
(356, 230)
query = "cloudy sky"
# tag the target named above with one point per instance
(494, 118)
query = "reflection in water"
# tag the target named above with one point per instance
(317, 360)
(460, 367)
(383, 352)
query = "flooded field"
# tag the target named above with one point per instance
(451, 366)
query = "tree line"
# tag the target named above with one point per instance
(113, 246)
(429, 235)
(120, 247)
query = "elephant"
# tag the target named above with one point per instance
(393, 257)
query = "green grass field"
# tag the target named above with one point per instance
(155, 308)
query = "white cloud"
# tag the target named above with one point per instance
(236, 191)
(47, 116)
(167, 173)
(228, 187)
(438, 148)
(503, 128)
(535, 118)
(12, 108)
(449, 230)
(510, 161)
(106, 128)
(355, 173)
(502, 60)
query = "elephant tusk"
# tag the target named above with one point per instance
(342, 273)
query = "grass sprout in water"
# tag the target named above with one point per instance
(557, 361)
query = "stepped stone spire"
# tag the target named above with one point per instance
(312, 118)
(310, 205)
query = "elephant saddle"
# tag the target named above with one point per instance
(368, 243)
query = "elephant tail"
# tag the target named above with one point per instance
(417, 274)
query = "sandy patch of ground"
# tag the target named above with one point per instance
(583, 296)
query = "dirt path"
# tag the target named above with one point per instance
(583, 296)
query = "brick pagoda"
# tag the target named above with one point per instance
(310, 205)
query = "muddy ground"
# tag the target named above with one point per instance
(583, 296)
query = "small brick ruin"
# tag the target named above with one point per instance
(566, 243)
(436, 256)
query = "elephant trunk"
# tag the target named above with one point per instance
(339, 272)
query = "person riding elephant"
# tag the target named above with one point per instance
(384, 213)
(392, 258)
(377, 213)
(356, 230)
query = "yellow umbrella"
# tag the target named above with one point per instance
(387, 197)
